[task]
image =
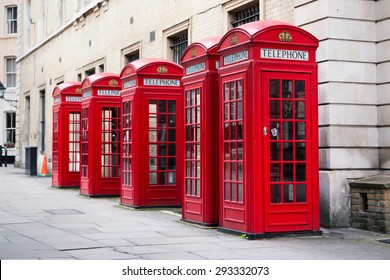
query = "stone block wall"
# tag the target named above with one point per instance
(370, 204)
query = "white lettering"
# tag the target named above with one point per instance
(72, 99)
(161, 82)
(128, 84)
(196, 68)
(235, 57)
(87, 94)
(104, 92)
(284, 54)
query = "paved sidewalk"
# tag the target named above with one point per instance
(41, 222)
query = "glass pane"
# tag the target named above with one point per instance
(234, 192)
(171, 178)
(240, 189)
(288, 131)
(152, 178)
(227, 171)
(152, 106)
(288, 151)
(288, 193)
(300, 130)
(287, 109)
(299, 89)
(274, 129)
(172, 149)
(152, 121)
(274, 151)
(288, 172)
(275, 173)
(188, 98)
(300, 151)
(171, 106)
(197, 187)
(188, 168)
(301, 193)
(152, 164)
(274, 110)
(188, 186)
(276, 194)
(274, 88)
(300, 110)
(152, 135)
(240, 172)
(239, 89)
(162, 106)
(226, 95)
(287, 89)
(152, 150)
(232, 90)
(301, 172)
(227, 191)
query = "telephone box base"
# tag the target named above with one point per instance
(65, 187)
(199, 224)
(99, 195)
(254, 236)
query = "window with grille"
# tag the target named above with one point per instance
(244, 16)
(55, 141)
(162, 142)
(84, 142)
(127, 158)
(131, 57)
(12, 20)
(74, 142)
(233, 142)
(10, 128)
(10, 72)
(192, 142)
(178, 44)
(110, 165)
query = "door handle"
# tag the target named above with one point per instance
(265, 130)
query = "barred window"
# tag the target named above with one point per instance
(247, 15)
(178, 44)
(132, 56)
(12, 20)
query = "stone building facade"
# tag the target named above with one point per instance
(68, 40)
(8, 104)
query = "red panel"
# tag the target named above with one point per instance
(66, 135)
(151, 167)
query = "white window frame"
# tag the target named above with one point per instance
(11, 23)
(10, 74)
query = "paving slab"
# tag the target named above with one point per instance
(41, 222)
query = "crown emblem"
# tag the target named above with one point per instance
(113, 82)
(234, 40)
(193, 52)
(162, 69)
(78, 90)
(285, 36)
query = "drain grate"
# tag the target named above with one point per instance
(387, 241)
(63, 211)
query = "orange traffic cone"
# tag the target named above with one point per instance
(44, 171)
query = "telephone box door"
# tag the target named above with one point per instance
(288, 161)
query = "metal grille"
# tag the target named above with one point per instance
(132, 56)
(180, 43)
(248, 15)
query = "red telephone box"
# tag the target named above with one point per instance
(268, 130)
(100, 135)
(200, 61)
(152, 134)
(66, 135)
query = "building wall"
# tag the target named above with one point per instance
(352, 83)
(7, 49)
(98, 33)
(353, 60)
